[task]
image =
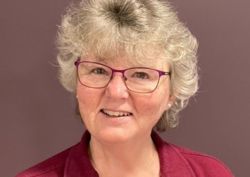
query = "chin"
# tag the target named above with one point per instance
(114, 135)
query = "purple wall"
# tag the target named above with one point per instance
(37, 115)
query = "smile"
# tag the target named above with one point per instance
(115, 114)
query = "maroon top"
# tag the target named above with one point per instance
(174, 162)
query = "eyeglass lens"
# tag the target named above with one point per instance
(136, 79)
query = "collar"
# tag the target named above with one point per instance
(172, 163)
(78, 162)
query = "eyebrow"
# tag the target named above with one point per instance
(130, 63)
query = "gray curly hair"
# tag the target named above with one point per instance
(133, 27)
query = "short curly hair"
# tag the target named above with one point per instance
(138, 29)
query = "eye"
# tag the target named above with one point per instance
(99, 71)
(141, 75)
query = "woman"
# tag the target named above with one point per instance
(132, 66)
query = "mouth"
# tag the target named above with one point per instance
(116, 114)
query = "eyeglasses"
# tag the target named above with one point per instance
(137, 79)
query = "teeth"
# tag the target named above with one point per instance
(116, 113)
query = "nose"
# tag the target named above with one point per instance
(116, 87)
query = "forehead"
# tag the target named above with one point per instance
(127, 53)
(122, 61)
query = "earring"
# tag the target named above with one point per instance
(169, 105)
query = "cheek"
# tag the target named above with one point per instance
(81, 96)
(152, 106)
(88, 100)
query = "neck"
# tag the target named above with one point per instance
(126, 157)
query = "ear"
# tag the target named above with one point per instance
(171, 101)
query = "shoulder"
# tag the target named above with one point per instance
(52, 167)
(202, 164)
(178, 161)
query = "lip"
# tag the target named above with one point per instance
(115, 111)
(115, 121)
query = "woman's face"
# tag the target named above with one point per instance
(115, 114)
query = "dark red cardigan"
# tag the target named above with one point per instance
(174, 162)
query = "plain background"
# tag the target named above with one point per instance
(37, 114)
